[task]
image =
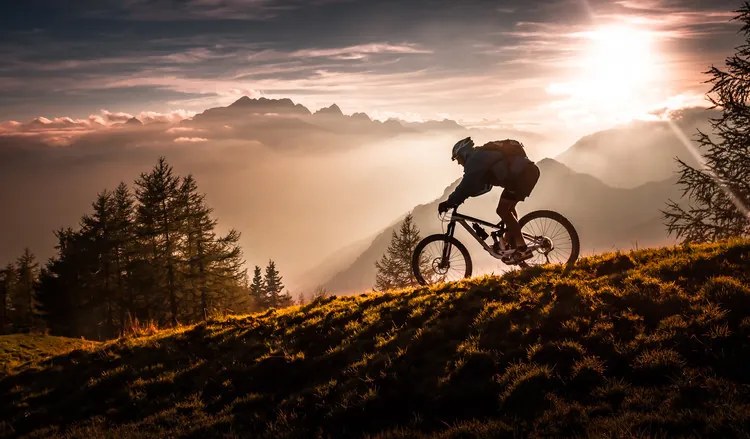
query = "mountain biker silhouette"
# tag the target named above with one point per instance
(500, 163)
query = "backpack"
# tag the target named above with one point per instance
(509, 147)
(501, 171)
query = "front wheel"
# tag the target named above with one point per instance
(552, 238)
(440, 258)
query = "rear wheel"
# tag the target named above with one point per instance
(440, 258)
(553, 238)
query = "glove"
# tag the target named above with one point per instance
(444, 207)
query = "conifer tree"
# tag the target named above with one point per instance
(197, 245)
(123, 250)
(228, 273)
(63, 295)
(719, 190)
(98, 229)
(8, 280)
(274, 287)
(27, 272)
(159, 216)
(258, 289)
(394, 267)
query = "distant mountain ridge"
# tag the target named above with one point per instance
(639, 152)
(286, 108)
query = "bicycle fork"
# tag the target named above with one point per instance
(446, 256)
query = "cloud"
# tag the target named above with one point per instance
(360, 51)
(190, 140)
(64, 130)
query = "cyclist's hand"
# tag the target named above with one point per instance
(444, 207)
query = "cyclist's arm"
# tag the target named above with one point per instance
(471, 184)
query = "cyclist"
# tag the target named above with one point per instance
(500, 163)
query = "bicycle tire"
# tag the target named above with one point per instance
(422, 245)
(566, 224)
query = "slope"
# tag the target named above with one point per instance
(19, 351)
(651, 343)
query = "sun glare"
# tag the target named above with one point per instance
(615, 73)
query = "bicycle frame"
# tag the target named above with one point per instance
(464, 220)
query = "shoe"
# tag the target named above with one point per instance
(522, 253)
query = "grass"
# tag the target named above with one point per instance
(20, 351)
(649, 343)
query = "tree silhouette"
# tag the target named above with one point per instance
(273, 288)
(719, 191)
(27, 273)
(394, 267)
(159, 215)
(155, 256)
(8, 280)
(258, 289)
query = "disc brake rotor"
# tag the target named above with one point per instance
(438, 267)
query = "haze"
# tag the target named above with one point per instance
(548, 73)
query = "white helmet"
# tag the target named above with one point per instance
(460, 145)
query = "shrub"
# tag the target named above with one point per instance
(525, 388)
(616, 263)
(655, 365)
(560, 355)
(652, 298)
(729, 293)
(587, 373)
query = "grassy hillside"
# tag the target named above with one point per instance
(18, 351)
(649, 343)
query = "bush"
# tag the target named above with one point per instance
(560, 355)
(654, 365)
(730, 294)
(525, 389)
(587, 373)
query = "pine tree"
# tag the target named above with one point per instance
(274, 287)
(63, 294)
(27, 272)
(229, 275)
(258, 289)
(97, 228)
(8, 281)
(394, 267)
(719, 192)
(197, 248)
(158, 226)
(123, 250)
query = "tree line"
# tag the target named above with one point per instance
(150, 253)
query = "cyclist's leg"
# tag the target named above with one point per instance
(506, 208)
(520, 189)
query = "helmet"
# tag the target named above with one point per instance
(461, 144)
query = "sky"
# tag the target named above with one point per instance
(566, 67)
(548, 72)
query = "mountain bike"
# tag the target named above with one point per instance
(442, 257)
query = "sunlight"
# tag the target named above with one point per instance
(695, 152)
(615, 74)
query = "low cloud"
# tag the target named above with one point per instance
(190, 140)
(360, 51)
(64, 130)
